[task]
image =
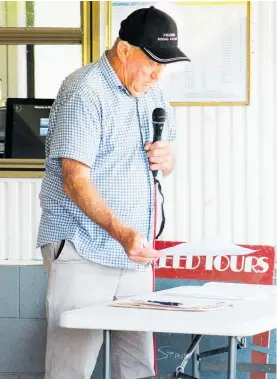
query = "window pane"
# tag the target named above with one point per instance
(13, 71)
(40, 13)
(52, 63)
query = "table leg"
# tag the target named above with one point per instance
(232, 357)
(195, 342)
(195, 361)
(107, 354)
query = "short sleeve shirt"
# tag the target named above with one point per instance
(96, 121)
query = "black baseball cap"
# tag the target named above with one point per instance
(155, 32)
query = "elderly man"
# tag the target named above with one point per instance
(97, 225)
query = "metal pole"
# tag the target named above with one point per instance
(107, 354)
(232, 357)
(195, 360)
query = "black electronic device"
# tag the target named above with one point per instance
(26, 127)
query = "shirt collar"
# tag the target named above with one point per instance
(109, 73)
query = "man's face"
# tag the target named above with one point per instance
(140, 72)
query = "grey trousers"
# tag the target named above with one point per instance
(75, 282)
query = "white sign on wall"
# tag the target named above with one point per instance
(215, 36)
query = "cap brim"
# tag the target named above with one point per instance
(161, 55)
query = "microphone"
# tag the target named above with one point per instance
(158, 120)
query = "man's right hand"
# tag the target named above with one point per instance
(138, 249)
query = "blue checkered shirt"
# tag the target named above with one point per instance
(94, 120)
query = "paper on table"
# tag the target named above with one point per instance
(208, 247)
(176, 303)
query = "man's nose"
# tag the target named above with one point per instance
(155, 75)
(157, 72)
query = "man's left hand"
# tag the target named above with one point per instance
(160, 156)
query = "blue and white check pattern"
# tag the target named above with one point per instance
(96, 121)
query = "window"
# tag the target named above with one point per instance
(41, 42)
(40, 14)
(37, 69)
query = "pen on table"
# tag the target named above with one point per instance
(168, 303)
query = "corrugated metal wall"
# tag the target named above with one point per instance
(225, 181)
(19, 219)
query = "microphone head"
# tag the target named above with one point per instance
(158, 115)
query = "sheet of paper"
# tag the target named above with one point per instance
(172, 303)
(205, 248)
(209, 297)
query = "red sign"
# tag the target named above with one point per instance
(255, 268)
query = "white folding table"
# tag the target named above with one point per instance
(247, 317)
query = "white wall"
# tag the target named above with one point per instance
(225, 183)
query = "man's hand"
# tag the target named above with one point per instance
(137, 247)
(160, 156)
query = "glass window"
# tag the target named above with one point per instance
(40, 14)
(52, 63)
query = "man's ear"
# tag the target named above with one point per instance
(123, 50)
